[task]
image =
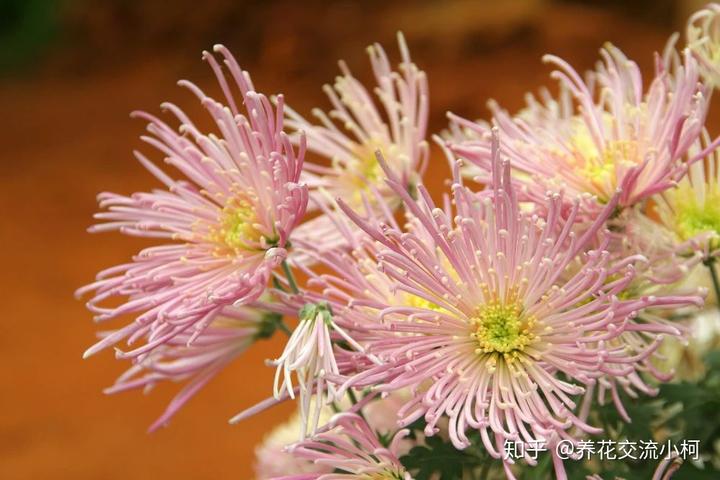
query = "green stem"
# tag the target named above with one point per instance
(354, 401)
(710, 264)
(290, 277)
(276, 283)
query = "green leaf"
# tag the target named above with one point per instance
(438, 457)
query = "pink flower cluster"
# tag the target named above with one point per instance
(542, 283)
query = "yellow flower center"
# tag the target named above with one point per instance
(599, 168)
(366, 165)
(502, 328)
(237, 229)
(361, 172)
(694, 217)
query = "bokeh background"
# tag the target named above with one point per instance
(70, 73)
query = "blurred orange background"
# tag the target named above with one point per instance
(71, 73)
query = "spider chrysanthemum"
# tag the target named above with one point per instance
(598, 135)
(352, 449)
(394, 121)
(692, 210)
(224, 226)
(471, 311)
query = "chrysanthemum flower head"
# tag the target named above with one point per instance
(692, 209)
(309, 354)
(703, 38)
(225, 225)
(497, 339)
(272, 458)
(353, 450)
(600, 135)
(275, 460)
(197, 361)
(356, 127)
(668, 259)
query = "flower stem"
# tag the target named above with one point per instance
(710, 264)
(290, 277)
(354, 401)
(276, 283)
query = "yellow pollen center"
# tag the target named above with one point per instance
(599, 168)
(502, 328)
(237, 228)
(694, 217)
(361, 172)
(366, 165)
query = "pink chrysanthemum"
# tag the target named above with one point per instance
(691, 211)
(273, 459)
(669, 260)
(226, 224)
(196, 362)
(350, 134)
(660, 264)
(601, 135)
(642, 339)
(353, 450)
(483, 329)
